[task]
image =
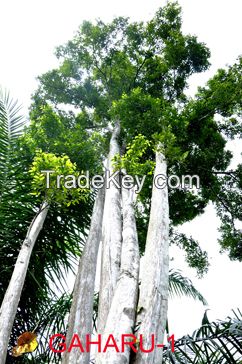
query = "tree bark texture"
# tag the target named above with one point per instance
(80, 318)
(111, 239)
(122, 312)
(12, 296)
(153, 298)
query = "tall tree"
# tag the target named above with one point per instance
(133, 76)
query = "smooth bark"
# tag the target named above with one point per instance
(111, 239)
(123, 308)
(80, 318)
(153, 298)
(12, 296)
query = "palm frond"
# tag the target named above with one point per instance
(180, 285)
(214, 343)
(11, 127)
(10, 118)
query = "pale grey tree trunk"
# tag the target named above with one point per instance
(111, 239)
(80, 318)
(122, 312)
(152, 306)
(12, 296)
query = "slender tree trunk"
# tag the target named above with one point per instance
(122, 312)
(111, 239)
(80, 318)
(12, 296)
(152, 306)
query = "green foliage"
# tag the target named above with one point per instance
(137, 73)
(214, 343)
(195, 257)
(221, 97)
(231, 239)
(56, 251)
(12, 122)
(11, 126)
(58, 132)
(185, 205)
(52, 320)
(229, 209)
(131, 161)
(65, 193)
(140, 113)
(106, 61)
(61, 240)
(166, 142)
(180, 285)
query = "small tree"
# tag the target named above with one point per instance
(65, 196)
(61, 239)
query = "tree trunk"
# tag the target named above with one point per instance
(80, 318)
(111, 239)
(152, 306)
(121, 315)
(12, 296)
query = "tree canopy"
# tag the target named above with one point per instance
(138, 73)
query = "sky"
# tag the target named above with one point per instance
(29, 32)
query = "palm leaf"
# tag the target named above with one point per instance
(11, 127)
(214, 343)
(180, 285)
(10, 118)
